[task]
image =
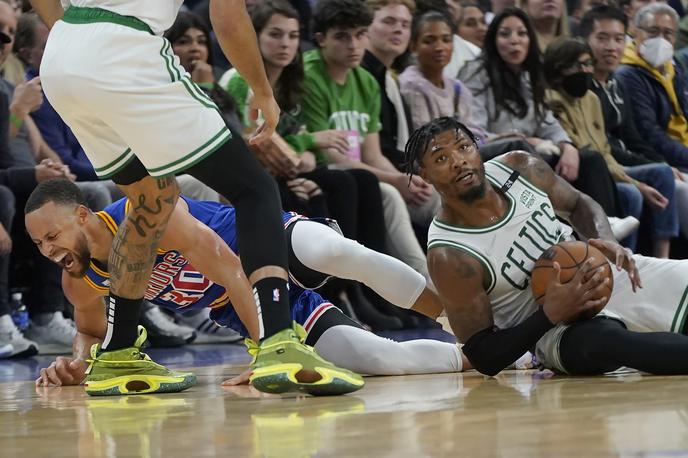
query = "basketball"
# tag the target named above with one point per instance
(570, 256)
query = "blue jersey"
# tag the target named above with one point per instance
(175, 283)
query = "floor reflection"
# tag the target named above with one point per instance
(528, 413)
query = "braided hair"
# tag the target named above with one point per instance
(420, 139)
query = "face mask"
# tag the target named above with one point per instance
(656, 51)
(577, 84)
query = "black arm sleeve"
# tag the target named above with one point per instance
(493, 349)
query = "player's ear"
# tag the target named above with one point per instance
(81, 212)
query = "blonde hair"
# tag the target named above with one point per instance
(379, 4)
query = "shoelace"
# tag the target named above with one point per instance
(253, 348)
(95, 349)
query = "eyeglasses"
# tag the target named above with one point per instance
(654, 32)
(582, 65)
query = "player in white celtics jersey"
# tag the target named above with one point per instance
(114, 79)
(496, 220)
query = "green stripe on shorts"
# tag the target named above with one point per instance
(195, 156)
(115, 166)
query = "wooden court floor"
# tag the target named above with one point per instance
(518, 413)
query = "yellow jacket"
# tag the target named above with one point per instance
(583, 120)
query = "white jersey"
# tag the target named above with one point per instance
(158, 14)
(508, 248)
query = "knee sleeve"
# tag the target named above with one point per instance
(320, 248)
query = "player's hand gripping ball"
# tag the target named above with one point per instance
(570, 256)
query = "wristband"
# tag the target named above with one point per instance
(16, 121)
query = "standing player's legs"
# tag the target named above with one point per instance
(260, 231)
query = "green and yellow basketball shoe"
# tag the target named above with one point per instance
(279, 358)
(129, 371)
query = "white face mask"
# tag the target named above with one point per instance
(656, 51)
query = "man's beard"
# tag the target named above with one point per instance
(473, 194)
(82, 257)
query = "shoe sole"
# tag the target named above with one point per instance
(139, 384)
(281, 378)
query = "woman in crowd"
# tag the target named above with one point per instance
(509, 100)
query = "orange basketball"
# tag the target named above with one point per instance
(570, 256)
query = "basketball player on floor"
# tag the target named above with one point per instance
(496, 220)
(113, 78)
(191, 273)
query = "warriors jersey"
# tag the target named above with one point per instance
(159, 15)
(175, 283)
(508, 249)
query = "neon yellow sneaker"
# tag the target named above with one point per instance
(129, 371)
(278, 359)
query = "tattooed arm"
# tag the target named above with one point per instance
(585, 215)
(211, 256)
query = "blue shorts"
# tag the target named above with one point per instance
(306, 307)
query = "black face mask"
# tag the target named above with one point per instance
(577, 84)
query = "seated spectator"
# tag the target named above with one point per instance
(464, 51)
(388, 38)
(472, 26)
(353, 196)
(509, 100)
(630, 8)
(549, 18)
(604, 28)
(568, 70)
(658, 84)
(339, 94)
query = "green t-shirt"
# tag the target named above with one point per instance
(290, 127)
(353, 106)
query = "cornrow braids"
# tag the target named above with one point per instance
(420, 139)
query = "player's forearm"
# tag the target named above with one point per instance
(589, 220)
(492, 350)
(238, 40)
(82, 343)
(50, 11)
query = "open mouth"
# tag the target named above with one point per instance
(465, 178)
(65, 260)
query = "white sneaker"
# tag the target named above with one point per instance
(58, 331)
(207, 331)
(162, 330)
(10, 335)
(623, 227)
(6, 350)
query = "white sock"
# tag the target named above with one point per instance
(366, 353)
(322, 249)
